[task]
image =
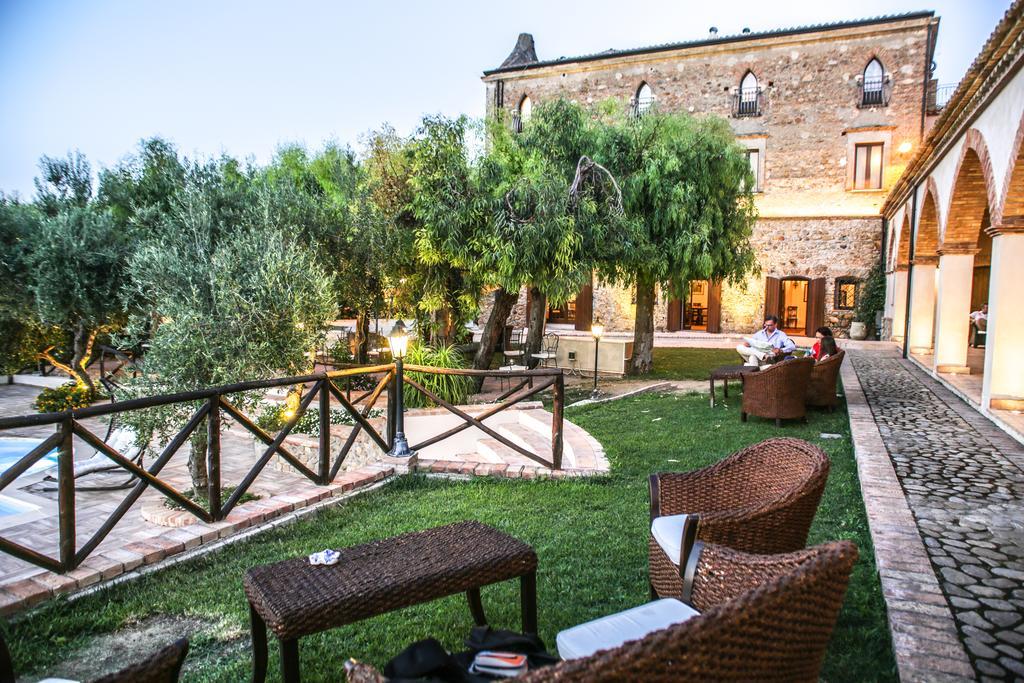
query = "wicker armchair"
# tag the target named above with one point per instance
(763, 618)
(778, 391)
(821, 393)
(760, 499)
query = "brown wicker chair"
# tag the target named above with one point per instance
(162, 667)
(760, 499)
(764, 618)
(778, 391)
(821, 393)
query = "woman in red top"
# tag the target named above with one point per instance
(816, 350)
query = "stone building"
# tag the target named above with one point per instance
(829, 114)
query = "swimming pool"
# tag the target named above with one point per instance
(14, 448)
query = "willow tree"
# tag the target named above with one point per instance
(528, 213)
(688, 207)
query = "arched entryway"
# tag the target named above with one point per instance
(958, 286)
(923, 275)
(798, 301)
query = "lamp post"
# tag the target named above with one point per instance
(398, 340)
(597, 330)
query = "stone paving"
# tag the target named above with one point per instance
(964, 482)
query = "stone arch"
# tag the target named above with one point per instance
(1011, 206)
(902, 250)
(926, 244)
(972, 195)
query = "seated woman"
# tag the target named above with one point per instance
(826, 347)
(821, 334)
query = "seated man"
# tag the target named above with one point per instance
(979, 323)
(768, 345)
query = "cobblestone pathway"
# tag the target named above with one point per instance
(964, 482)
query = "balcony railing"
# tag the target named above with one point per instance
(874, 92)
(747, 103)
(939, 96)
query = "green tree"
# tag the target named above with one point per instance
(77, 267)
(233, 295)
(689, 211)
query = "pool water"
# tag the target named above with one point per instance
(13, 449)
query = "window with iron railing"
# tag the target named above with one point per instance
(874, 85)
(642, 101)
(747, 103)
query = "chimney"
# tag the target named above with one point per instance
(523, 53)
(713, 32)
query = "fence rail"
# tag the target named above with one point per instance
(214, 404)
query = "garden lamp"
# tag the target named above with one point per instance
(291, 403)
(398, 340)
(597, 329)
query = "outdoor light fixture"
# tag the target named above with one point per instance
(905, 147)
(398, 340)
(291, 403)
(597, 330)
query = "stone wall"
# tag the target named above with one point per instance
(810, 117)
(827, 248)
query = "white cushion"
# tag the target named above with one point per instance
(616, 629)
(57, 680)
(668, 532)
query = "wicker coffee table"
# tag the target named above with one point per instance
(296, 599)
(726, 373)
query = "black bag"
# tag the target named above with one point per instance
(426, 661)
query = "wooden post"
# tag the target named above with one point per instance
(556, 422)
(213, 456)
(66, 494)
(325, 433)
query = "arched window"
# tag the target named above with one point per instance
(748, 97)
(643, 100)
(525, 108)
(522, 113)
(873, 84)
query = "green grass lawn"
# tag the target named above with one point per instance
(590, 536)
(688, 363)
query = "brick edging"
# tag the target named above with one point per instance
(925, 640)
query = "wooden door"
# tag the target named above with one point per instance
(772, 296)
(815, 306)
(585, 307)
(675, 315)
(715, 306)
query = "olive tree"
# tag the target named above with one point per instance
(689, 211)
(230, 295)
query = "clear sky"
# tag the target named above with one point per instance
(243, 76)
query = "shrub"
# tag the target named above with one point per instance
(452, 388)
(271, 419)
(65, 397)
(871, 298)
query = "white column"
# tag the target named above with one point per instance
(922, 307)
(952, 318)
(899, 304)
(1003, 385)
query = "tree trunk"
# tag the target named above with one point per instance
(84, 339)
(493, 329)
(641, 362)
(538, 316)
(362, 337)
(197, 459)
(441, 327)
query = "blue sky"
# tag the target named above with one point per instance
(244, 77)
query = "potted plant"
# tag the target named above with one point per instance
(870, 303)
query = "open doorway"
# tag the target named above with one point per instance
(793, 309)
(697, 300)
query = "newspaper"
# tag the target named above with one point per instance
(759, 344)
